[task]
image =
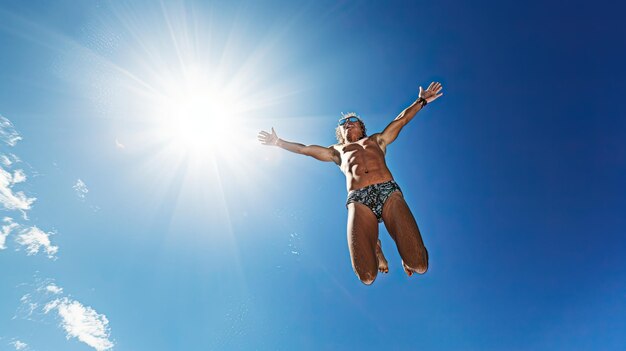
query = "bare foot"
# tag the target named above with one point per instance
(407, 270)
(383, 266)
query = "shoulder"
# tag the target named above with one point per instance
(376, 137)
(335, 147)
(380, 141)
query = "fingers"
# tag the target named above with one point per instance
(435, 86)
(265, 134)
(263, 137)
(433, 92)
(266, 138)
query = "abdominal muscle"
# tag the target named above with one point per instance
(363, 163)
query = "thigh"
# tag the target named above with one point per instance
(402, 227)
(362, 238)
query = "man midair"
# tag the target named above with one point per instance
(373, 195)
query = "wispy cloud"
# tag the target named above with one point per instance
(35, 239)
(5, 160)
(54, 289)
(119, 145)
(19, 345)
(8, 198)
(81, 189)
(44, 291)
(19, 176)
(28, 306)
(7, 228)
(8, 134)
(82, 322)
(9, 159)
(77, 320)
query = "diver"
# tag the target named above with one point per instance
(373, 195)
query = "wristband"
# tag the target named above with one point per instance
(422, 101)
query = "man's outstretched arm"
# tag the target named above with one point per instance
(327, 154)
(432, 93)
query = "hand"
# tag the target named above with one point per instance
(432, 93)
(268, 139)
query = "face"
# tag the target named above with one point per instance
(351, 128)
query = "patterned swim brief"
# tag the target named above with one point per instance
(374, 196)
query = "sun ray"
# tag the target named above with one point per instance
(187, 94)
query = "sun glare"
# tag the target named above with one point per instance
(191, 90)
(198, 116)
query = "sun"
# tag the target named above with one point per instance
(198, 115)
(192, 93)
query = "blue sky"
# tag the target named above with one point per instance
(129, 225)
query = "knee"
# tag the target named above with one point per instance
(421, 268)
(419, 264)
(366, 277)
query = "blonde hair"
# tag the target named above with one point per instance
(338, 133)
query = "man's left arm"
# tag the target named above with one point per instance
(432, 93)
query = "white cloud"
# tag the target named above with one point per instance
(53, 288)
(82, 322)
(8, 134)
(5, 160)
(10, 199)
(27, 307)
(13, 200)
(119, 145)
(30, 303)
(81, 189)
(6, 230)
(77, 320)
(51, 305)
(19, 345)
(35, 239)
(19, 176)
(15, 158)
(9, 159)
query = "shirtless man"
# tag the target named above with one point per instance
(373, 195)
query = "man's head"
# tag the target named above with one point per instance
(350, 128)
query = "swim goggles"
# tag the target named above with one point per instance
(351, 119)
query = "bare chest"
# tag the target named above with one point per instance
(364, 151)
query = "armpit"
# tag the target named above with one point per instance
(336, 155)
(379, 139)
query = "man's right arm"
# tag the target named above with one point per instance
(326, 154)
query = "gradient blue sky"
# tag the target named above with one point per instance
(516, 175)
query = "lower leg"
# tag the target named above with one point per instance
(383, 266)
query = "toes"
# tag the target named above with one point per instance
(407, 270)
(383, 266)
